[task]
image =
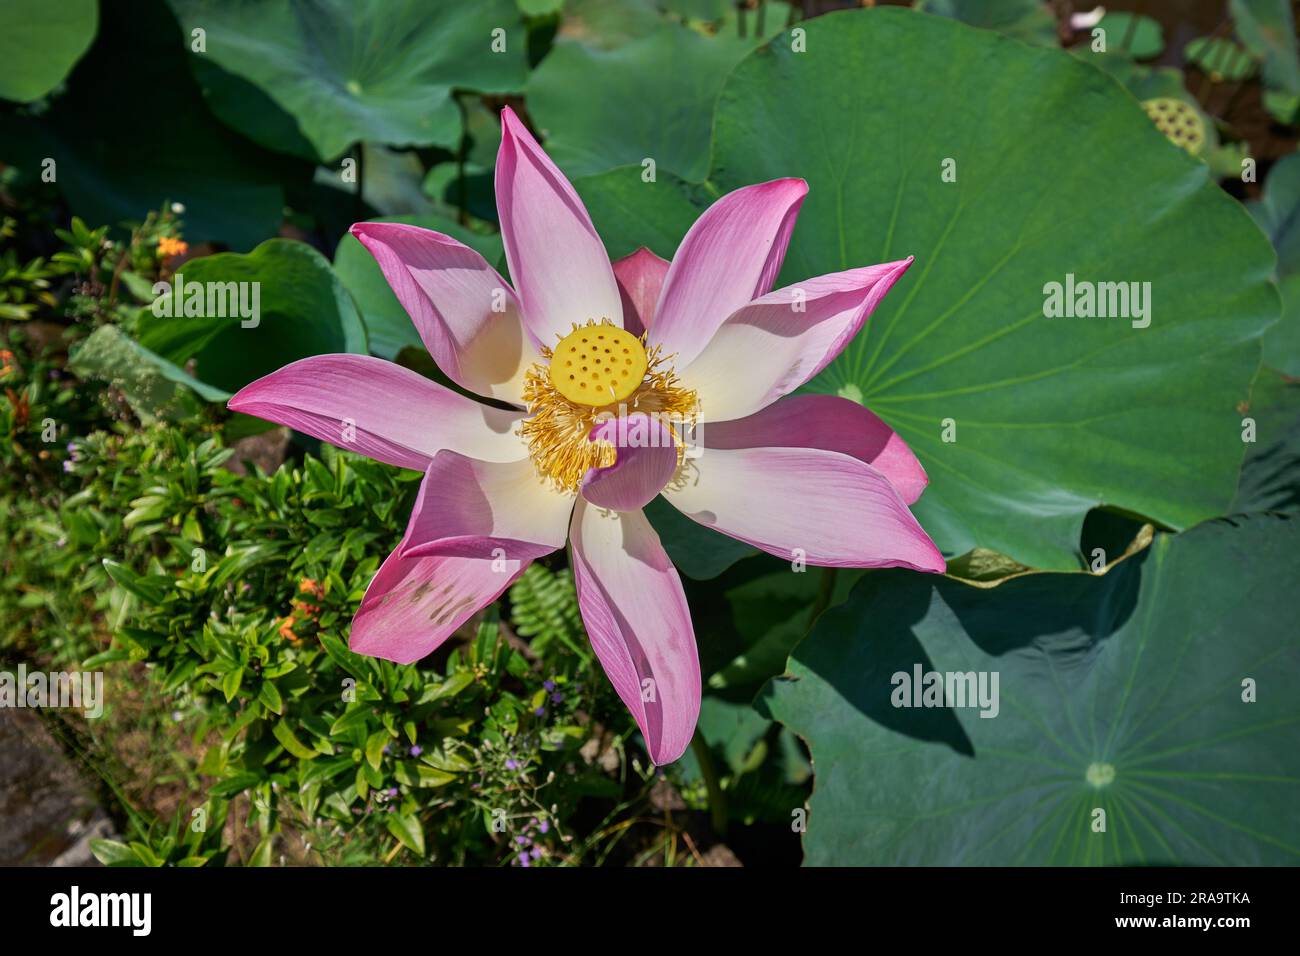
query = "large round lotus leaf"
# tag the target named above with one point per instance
(1147, 716)
(39, 43)
(630, 212)
(655, 98)
(301, 309)
(246, 107)
(1270, 475)
(115, 164)
(1278, 213)
(351, 70)
(1028, 20)
(608, 23)
(1282, 343)
(1058, 172)
(696, 551)
(1267, 28)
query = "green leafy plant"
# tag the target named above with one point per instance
(1117, 504)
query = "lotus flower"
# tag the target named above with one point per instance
(600, 374)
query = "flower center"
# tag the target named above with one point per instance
(596, 372)
(597, 365)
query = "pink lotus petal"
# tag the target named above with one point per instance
(491, 510)
(776, 343)
(466, 314)
(832, 509)
(647, 459)
(559, 265)
(640, 277)
(640, 627)
(829, 423)
(379, 410)
(475, 527)
(414, 604)
(730, 256)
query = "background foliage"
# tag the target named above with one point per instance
(1117, 506)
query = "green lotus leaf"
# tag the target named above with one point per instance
(252, 314)
(1144, 716)
(655, 101)
(40, 42)
(352, 70)
(956, 151)
(1028, 20)
(1267, 28)
(115, 164)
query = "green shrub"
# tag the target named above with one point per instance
(137, 550)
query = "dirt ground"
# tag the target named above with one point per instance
(47, 813)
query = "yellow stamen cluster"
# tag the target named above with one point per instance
(563, 413)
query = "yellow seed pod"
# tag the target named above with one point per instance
(1179, 121)
(598, 365)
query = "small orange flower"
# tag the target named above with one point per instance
(167, 246)
(286, 629)
(302, 611)
(6, 362)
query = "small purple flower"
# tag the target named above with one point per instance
(549, 684)
(392, 791)
(557, 697)
(523, 859)
(535, 853)
(416, 750)
(512, 765)
(544, 826)
(540, 712)
(67, 467)
(522, 840)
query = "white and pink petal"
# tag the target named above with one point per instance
(730, 256)
(830, 423)
(557, 261)
(646, 460)
(774, 344)
(467, 315)
(490, 510)
(636, 616)
(413, 604)
(640, 278)
(474, 529)
(823, 507)
(380, 410)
